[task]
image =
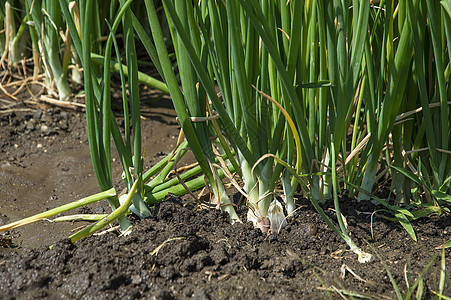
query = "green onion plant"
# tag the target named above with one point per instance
(45, 19)
(272, 102)
(38, 30)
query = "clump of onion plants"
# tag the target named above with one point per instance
(272, 104)
(103, 129)
(313, 96)
(297, 81)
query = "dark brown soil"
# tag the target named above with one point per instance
(185, 252)
(45, 162)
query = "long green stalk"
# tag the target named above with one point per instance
(50, 213)
(142, 77)
(98, 154)
(434, 17)
(199, 149)
(390, 106)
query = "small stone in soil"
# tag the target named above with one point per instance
(6, 165)
(45, 129)
(37, 114)
(201, 295)
(99, 210)
(163, 295)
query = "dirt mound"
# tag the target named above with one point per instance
(185, 252)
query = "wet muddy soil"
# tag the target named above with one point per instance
(185, 252)
(45, 162)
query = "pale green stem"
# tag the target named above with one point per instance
(250, 184)
(368, 178)
(265, 196)
(288, 190)
(226, 204)
(327, 186)
(82, 217)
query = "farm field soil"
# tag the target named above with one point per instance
(183, 251)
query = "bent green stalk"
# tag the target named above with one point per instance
(118, 213)
(142, 77)
(76, 204)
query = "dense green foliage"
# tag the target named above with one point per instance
(315, 96)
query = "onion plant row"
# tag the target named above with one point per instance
(310, 96)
